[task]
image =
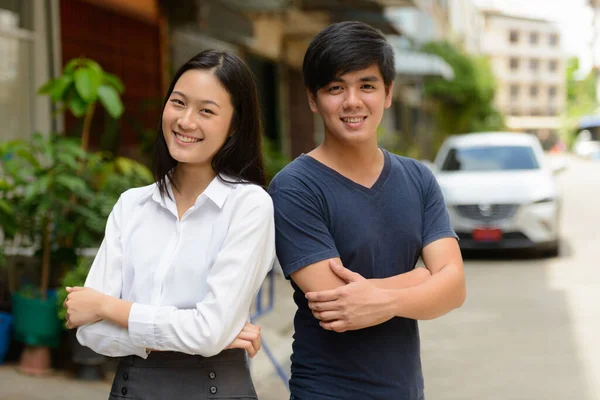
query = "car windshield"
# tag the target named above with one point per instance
(490, 158)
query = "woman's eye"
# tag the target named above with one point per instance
(177, 101)
(207, 111)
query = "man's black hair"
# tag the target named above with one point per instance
(346, 47)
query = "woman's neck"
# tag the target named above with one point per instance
(191, 180)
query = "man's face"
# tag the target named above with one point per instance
(352, 105)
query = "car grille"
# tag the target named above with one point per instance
(487, 212)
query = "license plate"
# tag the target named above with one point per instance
(487, 234)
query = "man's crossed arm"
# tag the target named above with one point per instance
(343, 300)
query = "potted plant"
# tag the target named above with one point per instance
(45, 195)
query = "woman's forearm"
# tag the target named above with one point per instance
(116, 311)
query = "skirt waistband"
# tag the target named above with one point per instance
(172, 359)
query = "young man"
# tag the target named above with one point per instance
(351, 222)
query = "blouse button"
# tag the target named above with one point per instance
(213, 389)
(212, 375)
(124, 391)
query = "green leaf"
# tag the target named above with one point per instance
(77, 105)
(47, 87)
(87, 81)
(110, 99)
(60, 87)
(37, 188)
(73, 183)
(94, 66)
(114, 81)
(71, 66)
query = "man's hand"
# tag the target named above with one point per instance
(248, 339)
(83, 306)
(359, 304)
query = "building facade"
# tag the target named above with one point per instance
(529, 65)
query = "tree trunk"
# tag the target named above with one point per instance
(45, 259)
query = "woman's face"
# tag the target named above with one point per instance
(197, 117)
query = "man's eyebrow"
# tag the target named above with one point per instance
(201, 101)
(370, 78)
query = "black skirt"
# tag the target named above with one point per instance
(170, 375)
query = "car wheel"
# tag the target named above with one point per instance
(551, 252)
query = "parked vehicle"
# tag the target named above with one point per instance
(587, 139)
(500, 191)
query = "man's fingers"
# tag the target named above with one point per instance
(325, 295)
(336, 326)
(324, 305)
(327, 315)
(343, 272)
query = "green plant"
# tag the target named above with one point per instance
(47, 194)
(273, 159)
(82, 84)
(465, 103)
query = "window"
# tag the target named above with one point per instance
(553, 65)
(514, 92)
(533, 91)
(552, 92)
(513, 37)
(533, 38)
(514, 63)
(490, 158)
(533, 65)
(553, 40)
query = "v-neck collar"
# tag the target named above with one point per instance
(349, 182)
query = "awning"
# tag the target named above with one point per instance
(414, 64)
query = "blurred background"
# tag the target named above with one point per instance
(81, 88)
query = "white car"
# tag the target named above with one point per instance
(500, 191)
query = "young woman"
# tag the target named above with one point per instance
(182, 259)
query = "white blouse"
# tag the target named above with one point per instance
(191, 280)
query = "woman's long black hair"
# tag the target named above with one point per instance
(241, 156)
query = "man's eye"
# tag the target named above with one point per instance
(335, 88)
(369, 87)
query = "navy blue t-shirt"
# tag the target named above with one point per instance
(378, 232)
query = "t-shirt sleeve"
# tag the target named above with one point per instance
(436, 221)
(301, 234)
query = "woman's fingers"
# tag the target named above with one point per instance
(243, 344)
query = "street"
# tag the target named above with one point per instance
(528, 330)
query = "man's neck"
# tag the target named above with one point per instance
(362, 163)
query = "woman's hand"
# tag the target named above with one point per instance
(83, 306)
(248, 339)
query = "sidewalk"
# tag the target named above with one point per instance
(276, 328)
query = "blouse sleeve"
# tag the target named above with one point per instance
(241, 265)
(106, 276)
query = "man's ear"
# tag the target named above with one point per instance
(312, 101)
(388, 95)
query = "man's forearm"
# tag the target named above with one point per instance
(408, 279)
(436, 296)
